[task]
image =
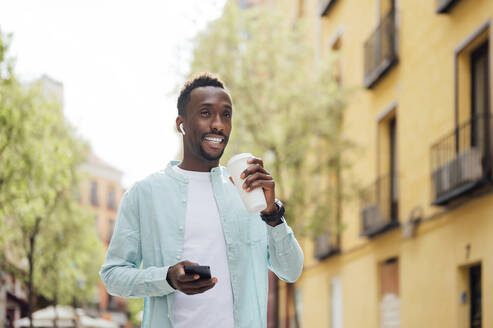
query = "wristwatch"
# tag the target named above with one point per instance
(277, 215)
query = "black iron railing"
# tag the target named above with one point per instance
(462, 159)
(379, 206)
(444, 6)
(380, 50)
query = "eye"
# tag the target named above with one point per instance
(204, 112)
(227, 114)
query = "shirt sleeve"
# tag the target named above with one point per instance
(121, 273)
(284, 253)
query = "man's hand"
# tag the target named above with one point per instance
(257, 177)
(188, 284)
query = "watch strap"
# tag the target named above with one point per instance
(277, 215)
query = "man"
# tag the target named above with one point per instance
(191, 214)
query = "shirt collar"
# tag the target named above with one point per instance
(215, 172)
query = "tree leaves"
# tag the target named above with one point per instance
(40, 158)
(287, 105)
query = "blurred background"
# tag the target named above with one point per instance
(374, 117)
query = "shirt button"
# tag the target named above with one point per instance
(180, 227)
(177, 257)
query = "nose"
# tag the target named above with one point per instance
(217, 123)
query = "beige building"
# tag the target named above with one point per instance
(101, 190)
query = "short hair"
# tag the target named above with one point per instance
(205, 79)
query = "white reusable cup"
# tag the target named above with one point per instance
(254, 200)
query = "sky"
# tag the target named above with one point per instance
(121, 63)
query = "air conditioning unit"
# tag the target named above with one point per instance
(371, 216)
(469, 165)
(465, 167)
(323, 245)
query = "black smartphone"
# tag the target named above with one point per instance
(204, 271)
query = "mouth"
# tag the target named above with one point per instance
(214, 140)
(212, 146)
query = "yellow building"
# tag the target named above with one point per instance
(417, 245)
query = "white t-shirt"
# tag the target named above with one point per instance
(204, 244)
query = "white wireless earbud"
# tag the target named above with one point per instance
(181, 129)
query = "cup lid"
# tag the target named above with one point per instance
(239, 156)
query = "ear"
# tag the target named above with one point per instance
(179, 120)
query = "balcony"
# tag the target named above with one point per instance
(326, 245)
(325, 6)
(378, 208)
(380, 50)
(462, 161)
(444, 6)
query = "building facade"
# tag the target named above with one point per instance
(13, 300)
(101, 191)
(416, 246)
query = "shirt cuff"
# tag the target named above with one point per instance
(279, 231)
(164, 285)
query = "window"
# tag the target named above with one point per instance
(389, 294)
(387, 165)
(475, 288)
(94, 193)
(380, 201)
(111, 199)
(298, 303)
(462, 158)
(393, 168)
(380, 49)
(479, 96)
(336, 303)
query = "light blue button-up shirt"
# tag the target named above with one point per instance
(149, 231)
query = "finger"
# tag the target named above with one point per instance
(195, 291)
(256, 160)
(186, 278)
(197, 288)
(192, 287)
(181, 275)
(198, 283)
(255, 177)
(266, 184)
(198, 291)
(252, 169)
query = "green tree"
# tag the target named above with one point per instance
(70, 256)
(287, 107)
(44, 230)
(288, 110)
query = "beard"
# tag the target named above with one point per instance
(210, 157)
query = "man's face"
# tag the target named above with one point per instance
(207, 122)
